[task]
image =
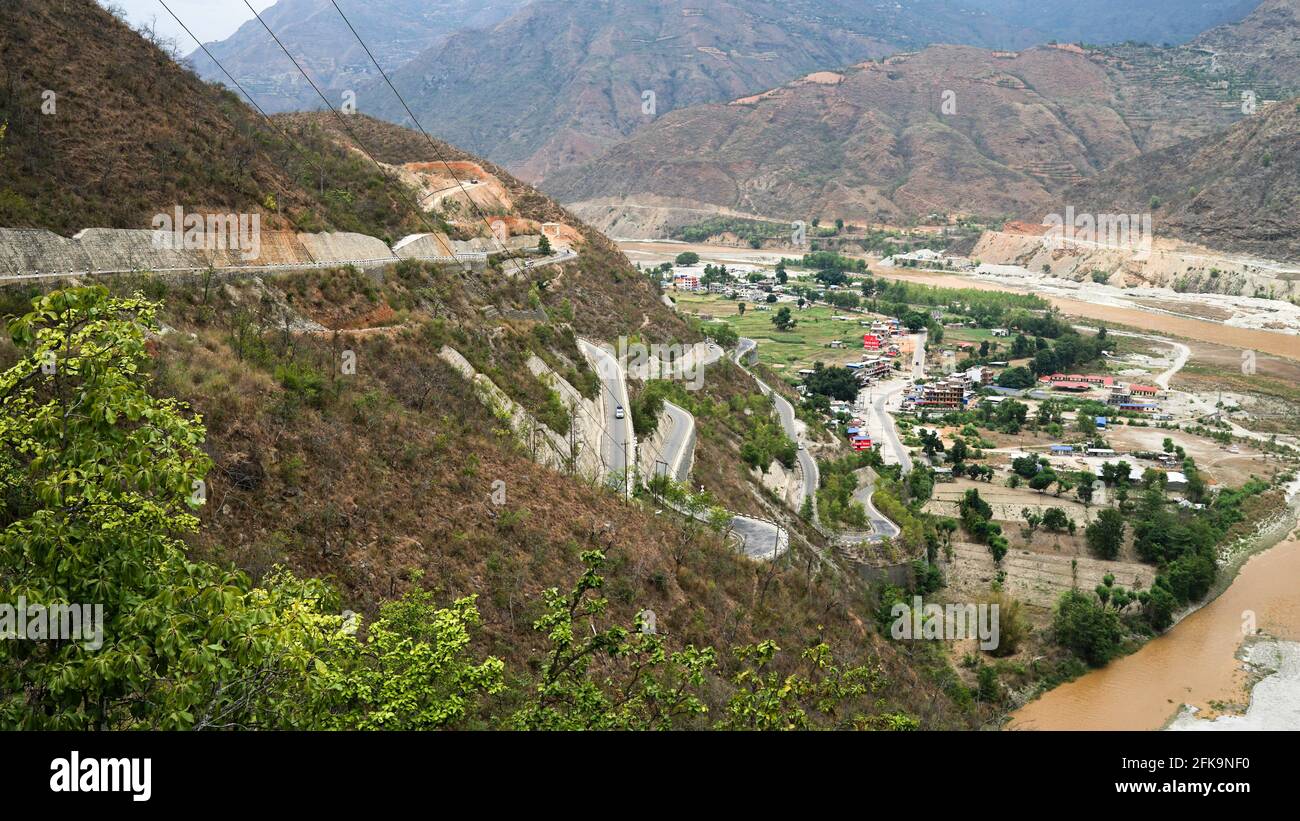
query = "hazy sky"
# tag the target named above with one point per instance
(208, 19)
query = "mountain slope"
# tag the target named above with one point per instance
(1234, 191)
(560, 81)
(873, 142)
(120, 144)
(318, 37)
(1265, 46)
(383, 479)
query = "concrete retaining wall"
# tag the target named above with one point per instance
(29, 253)
(585, 419)
(545, 446)
(423, 246)
(343, 247)
(647, 455)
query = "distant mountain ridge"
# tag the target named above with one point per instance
(542, 85)
(948, 129)
(562, 80)
(1106, 21)
(1235, 191)
(318, 37)
(1265, 46)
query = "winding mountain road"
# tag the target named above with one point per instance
(618, 443)
(785, 411)
(679, 450)
(759, 539)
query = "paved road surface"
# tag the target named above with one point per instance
(811, 477)
(760, 539)
(879, 524)
(743, 348)
(784, 410)
(883, 422)
(562, 256)
(675, 459)
(886, 394)
(616, 442)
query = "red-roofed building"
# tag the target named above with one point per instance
(871, 342)
(1144, 390)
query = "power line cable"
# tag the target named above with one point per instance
(415, 209)
(414, 119)
(282, 131)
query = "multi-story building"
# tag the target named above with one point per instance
(872, 369)
(980, 376)
(945, 394)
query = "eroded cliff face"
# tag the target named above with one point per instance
(1161, 263)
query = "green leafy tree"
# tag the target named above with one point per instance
(1017, 378)
(782, 318)
(1087, 628)
(101, 482)
(638, 685)
(1087, 482)
(1056, 520)
(1105, 535)
(411, 671)
(822, 693)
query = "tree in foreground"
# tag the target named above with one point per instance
(613, 678)
(100, 482)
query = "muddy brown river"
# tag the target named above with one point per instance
(1194, 663)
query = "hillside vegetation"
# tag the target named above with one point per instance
(129, 134)
(230, 486)
(1234, 191)
(947, 130)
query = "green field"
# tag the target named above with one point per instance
(790, 351)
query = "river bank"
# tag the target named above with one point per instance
(1197, 669)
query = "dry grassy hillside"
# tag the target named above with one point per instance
(131, 134)
(383, 480)
(949, 129)
(1234, 191)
